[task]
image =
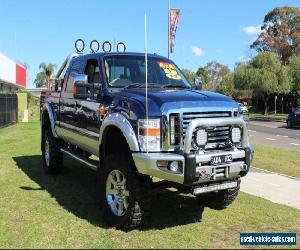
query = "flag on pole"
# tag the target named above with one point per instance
(174, 17)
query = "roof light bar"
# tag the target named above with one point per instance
(121, 47)
(106, 46)
(79, 45)
(94, 45)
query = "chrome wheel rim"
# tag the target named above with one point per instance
(117, 194)
(47, 152)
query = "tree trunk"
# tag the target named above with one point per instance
(266, 99)
(48, 82)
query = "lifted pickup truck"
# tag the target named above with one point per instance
(195, 141)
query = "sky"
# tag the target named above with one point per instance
(34, 31)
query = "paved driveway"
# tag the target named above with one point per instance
(272, 186)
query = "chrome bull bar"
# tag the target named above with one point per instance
(212, 122)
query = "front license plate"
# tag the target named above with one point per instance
(221, 159)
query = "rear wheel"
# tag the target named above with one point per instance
(218, 200)
(52, 156)
(289, 124)
(124, 194)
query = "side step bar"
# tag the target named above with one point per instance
(89, 163)
(214, 187)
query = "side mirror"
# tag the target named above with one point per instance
(58, 84)
(82, 89)
(198, 82)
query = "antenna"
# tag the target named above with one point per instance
(169, 17)
(146, 76)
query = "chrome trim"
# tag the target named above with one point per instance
(214, 187)
(168, 109)
(119, 121)
(80, 130)
(117, 193)
(88, 164)
(146, 163)
(52, 117)
(89, 144)
(208, 122)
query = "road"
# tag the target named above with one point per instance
(274, 134)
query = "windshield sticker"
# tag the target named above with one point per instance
(169, 70)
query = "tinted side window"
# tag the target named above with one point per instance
(92, 71)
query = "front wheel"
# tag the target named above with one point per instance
(124, 194)
(218, 200)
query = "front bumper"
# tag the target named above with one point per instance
(196, 168)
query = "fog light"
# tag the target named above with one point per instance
(201, 137)
(174, 166)
(236, 135)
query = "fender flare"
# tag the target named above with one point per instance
(52, 117)
(120, 121)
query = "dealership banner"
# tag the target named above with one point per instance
(174, 17)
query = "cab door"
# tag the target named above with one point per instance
(68, 105)
(68, 102)
(87, 109)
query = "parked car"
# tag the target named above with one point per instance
(293, 119)
(244, 108)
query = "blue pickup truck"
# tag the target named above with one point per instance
(138, 139)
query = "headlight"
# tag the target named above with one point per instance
(150, 127)
(236, 135)
(201, 137)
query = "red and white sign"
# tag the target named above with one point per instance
(12, 72)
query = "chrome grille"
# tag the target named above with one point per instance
(217, 136)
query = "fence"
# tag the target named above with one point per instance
(8, 109)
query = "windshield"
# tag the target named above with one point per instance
(129, 71)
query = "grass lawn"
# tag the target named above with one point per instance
(271, 115)
(40, 211)
(277, 160)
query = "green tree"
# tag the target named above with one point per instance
(48, 71)
(280, 33)
(263, 76)
(40, 80)
(226, 86)
(190, 75)
(294, 70)
(201, 72)
(214, 73)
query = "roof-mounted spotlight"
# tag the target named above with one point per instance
(79, 45)
(121, 47)
(94, 45)
(106, 46)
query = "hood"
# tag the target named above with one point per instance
(161, 101)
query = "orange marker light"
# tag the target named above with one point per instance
(151, 131)
(74, 90)
(102, 110)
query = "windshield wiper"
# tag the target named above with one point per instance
(142, 85)
(176, 86)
